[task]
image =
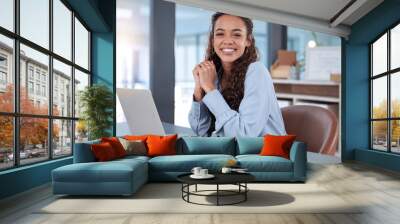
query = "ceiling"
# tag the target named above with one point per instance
(334, 17)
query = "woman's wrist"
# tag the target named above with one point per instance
(209, 89)
(198, 94)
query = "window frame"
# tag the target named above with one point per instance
(388, 74)
(16, 114)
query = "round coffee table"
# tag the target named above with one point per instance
(238, 179)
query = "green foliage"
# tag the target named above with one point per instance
(97, 105)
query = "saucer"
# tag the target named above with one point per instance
(208, 176)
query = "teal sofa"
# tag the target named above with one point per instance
(125, 176)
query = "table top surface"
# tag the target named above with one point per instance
(220, 178)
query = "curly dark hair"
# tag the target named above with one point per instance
(234, 91)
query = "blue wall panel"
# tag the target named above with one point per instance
(24, 178)
(356, 99)
(102, 58)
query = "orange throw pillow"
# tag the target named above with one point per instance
(277, 145)
(116, 145)
(103, 152)
(161, 145)
(142, 138)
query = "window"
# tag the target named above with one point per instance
(45, 131)
(3, 61)
(33, 147)
(62, 137)
(37, 75)
(62, 74)
(81, 45)
(35, 22)
(133, 56)
(81, 81)
(3, 72)
(7, 14)
(3, 78)
(6, 73)
(62, 29)
(38, 89)
(30, 72)
(30, 87)
(385, 95)
(6, 142)
(43, 90)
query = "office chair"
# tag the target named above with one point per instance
(316, 126)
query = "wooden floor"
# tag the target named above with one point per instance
(377, 188)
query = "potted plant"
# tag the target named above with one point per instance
(97, 104)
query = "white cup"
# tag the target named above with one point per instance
(203, 172)
(226, 170)
(196, 171)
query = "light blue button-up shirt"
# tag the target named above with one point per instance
(259, 113)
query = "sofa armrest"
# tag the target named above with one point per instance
(83, 152)
(298, 155)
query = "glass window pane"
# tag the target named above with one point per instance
(395, 47)
(81, 131)
(7, 14)
(191, 39)
(33, 140)
(35, 21)
(379, 97)
(395, 136)
(379, 135)
(81, 81)
(6, 74)
(81, 45)
(395, 94)
(379, 55)
(133, 26)
(133, 69)
(34, 96)
(62, 29)
(62, 138)
(62, 89)
(6, 142)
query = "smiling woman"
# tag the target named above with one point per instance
(234, 94)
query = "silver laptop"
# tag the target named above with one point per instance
(140, 111)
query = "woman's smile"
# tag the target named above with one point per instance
(228, 50)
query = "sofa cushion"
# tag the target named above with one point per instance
(161, 145)
(132, 158)
(134, 147)
(116, 145)
(208, 145)
(103, 152)
(111, 171)
(249, 145)
(185, 163)
(275, 145)
(142, 138)
(257, 163)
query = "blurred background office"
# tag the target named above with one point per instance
(305, 65)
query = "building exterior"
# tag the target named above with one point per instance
(34, 80)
